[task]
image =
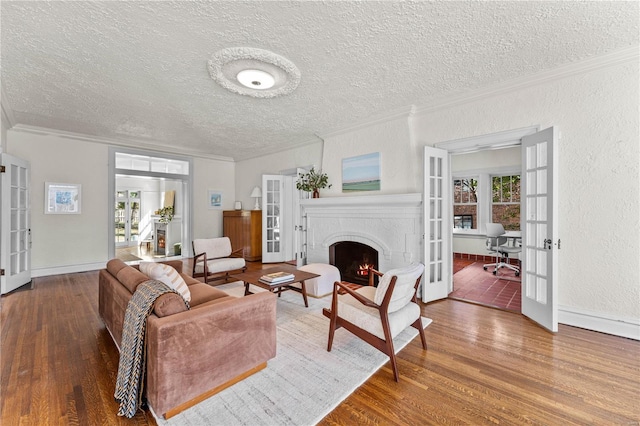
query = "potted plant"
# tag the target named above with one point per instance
(313, 181)
(166, 214)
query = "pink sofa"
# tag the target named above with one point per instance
(192, 354)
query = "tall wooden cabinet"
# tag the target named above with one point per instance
(244, 229)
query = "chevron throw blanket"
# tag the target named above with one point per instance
(131, 368)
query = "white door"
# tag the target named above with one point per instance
(278, 234)
(436, 202)
(540, 241)
(15, 224)
(127, 218)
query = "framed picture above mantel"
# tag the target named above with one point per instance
(361, 173)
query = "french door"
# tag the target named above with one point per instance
(127, 218)
(438, 217)
(15, 223)
(540, 241)
(279, 203)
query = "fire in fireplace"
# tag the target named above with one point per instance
(353, 260)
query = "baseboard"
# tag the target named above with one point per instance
(623, 327)
(67, 269)
(85, 267)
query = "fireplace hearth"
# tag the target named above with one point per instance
(353, 260)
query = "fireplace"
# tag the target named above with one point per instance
(390, 224)
(353, 260)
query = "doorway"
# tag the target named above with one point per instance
(539, 223)
(143, 188)
(485, 189)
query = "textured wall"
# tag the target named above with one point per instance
(400, 169)
(597, 117)
(249, 172)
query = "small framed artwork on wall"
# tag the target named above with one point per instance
(62, 198)
(214, 199)
(361, 173)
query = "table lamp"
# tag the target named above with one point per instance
(256, 193)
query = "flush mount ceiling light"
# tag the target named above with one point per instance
(253, 72)
(256, 79)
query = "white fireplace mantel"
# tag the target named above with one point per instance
(391, 224)
(414, 199)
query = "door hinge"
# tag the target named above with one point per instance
(2, 272)
(558, 243)
(2, 169)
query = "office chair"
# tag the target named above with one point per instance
(496, 243)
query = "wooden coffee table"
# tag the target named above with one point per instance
(253, 277)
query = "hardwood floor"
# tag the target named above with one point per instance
(483, 366)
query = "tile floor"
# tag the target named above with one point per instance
(472, 283)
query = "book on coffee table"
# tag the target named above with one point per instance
(276, 277)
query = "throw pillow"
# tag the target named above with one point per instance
(167, 275)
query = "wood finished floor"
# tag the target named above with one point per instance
(483, 366)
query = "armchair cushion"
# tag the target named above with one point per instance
(220, 265)
(213, 247)
(369, 318)
(404, 287)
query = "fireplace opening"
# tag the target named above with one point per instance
(353, 260)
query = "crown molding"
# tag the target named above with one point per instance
(128, 143)
(612, 59)
(403, 112)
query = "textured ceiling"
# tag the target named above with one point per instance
(138, 70)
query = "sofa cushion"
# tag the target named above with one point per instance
(169, 304)
(202, 293)
(168, 275)
(115, 265)
(130, 277)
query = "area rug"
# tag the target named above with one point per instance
(304, 382)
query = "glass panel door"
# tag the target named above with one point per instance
(127, 217)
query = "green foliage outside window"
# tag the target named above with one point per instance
(506, 201)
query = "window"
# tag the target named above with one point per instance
(505, 206)
(151, 164)
(465, 203)
(463, 221)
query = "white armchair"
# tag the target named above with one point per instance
(377, 315)
(215, 260)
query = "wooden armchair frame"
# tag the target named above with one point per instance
(386, 345)
(216, 276)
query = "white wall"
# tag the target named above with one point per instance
(249, 172)
(400, 173)
(4, 126)
(63, 240)
(597, 117)
(60, 241)
(214, 175)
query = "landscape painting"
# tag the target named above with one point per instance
(361, 173)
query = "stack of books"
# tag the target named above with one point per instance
(276, 278)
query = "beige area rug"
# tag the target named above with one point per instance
(304, 382)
